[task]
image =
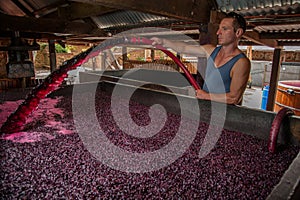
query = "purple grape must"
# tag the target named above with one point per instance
(239, 166)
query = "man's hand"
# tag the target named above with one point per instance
(201, 94)
(157, 41)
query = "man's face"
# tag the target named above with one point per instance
(226, 33)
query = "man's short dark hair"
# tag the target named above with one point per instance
(239, 21)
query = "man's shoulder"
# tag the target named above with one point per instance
(242, 64)
(209, 48)
(245, 60)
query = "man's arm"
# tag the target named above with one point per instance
(182, 47)
(239, 78)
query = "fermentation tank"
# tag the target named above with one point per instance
(64, 147)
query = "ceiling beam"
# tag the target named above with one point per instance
(23, 8)
(280, 35)
(82, 10)
(31, 35)
(190, 10)
(273, 21)
(49, 8)
(254, 37)
(44, 25)
(289, 43)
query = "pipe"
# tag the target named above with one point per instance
(172, 56)
(17, 119)
(275, 127)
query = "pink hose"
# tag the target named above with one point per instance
(17, 119)
(275, 127)
(171, 55)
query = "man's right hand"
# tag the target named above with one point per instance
(157, 41)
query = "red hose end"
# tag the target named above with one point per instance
(275, 127)
(271, 148)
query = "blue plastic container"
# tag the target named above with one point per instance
(264, 99)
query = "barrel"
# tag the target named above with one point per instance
(288, 95)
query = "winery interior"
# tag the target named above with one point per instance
(91, 109)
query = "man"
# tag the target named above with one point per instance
(228, 68)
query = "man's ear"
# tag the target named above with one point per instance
(239, 32)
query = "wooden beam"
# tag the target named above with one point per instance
(82, 10)
(124, 54)
(52, 55)
(280, 43)
(289, 43)
(43, 25)
(273, 21)
(254, 37)
(49, 8)
(280, 35)
(23, 8)
(208, 31)
(213, 26)
(192, 10)
(31, 35)
(9, 6)
(274, 79)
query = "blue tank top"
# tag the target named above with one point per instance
(217, 80)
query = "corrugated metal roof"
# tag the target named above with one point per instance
(268, 16)
(122, 19)
(264, 5)
(263, 16)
